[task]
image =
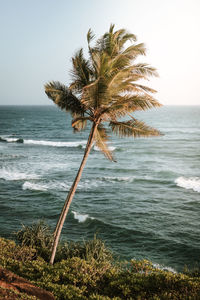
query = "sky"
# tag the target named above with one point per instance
(39, 37)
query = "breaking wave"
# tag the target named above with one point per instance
(55, 144)
(58, 186)
(189, 183)
(34, 186)
(81, 217)
(43, 143)
(111, 148)
(8, 174)
(51, 185)
(164, 268)
(86, 184)
(11, 140)
(81, 144)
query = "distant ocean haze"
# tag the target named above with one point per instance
(146, 205)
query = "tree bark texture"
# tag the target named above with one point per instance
(71, 193)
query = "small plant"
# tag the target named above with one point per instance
(88, 250)
(37, 236)
(193, 272)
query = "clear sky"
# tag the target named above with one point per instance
(38, 38)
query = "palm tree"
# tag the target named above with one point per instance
(104, 89)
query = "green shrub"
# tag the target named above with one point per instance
(96, 276)
(193, 272)
(88, 250)
(37, 236)
(12, 294)
(40, 237)
(9, 250)
(142, 281)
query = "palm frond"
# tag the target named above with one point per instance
(134, 87)
(112, 26)
(134, 50)
(90, 36)
(140, 101)
(123, 105)
(63, 97)
(112, 42)
(81, 72)
(94, 94)
(101, 139)
(121, 79)
(127, 37)
(133, 128)
(80, 123)
(145, 70)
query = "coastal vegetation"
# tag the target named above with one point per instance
(89, 270)
(105, 87)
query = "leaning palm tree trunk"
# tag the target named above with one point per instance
(72, 191)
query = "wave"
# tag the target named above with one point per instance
(111, 148)
(189, 183)
(55, 144)
(9, 175)
(65, 185)
(164, 268)
(118, 179)
(59, 186)
(33, 186)
(51, 185)
(11, 140)
(80, 217)
(84, 184)
(81, 144)
(43, 142)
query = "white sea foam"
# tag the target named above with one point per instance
(164, 268)
(51, 185)
(8, 174)
(58, 186)
(33, 186)
(114, 179)
(80, 217)
(189, 183)
(55, 144)
(65, 185)
(11, 140)
(111, 148)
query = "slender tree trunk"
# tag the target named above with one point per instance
(71, 193)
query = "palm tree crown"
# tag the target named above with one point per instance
(105, 88)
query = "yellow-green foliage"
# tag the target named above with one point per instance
(9, 250)
(93, 249)
(37, 236)
(11, 294)
(78, 278)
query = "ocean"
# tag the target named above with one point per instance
(146, 205)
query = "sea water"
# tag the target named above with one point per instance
(145, 205)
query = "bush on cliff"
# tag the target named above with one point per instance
(94, 279)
